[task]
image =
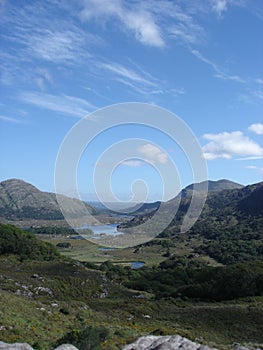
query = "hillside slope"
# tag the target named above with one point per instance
(20, 200)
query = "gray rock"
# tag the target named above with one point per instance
(66, 347)
(24, 346)
(175, 342)
(15, 346)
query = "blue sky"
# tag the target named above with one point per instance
(200, 59)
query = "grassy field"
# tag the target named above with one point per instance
(85, 251)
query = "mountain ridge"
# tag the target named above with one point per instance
(208, 185)
(21, 200)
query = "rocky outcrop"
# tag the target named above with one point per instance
(151, 342)
(174, 342)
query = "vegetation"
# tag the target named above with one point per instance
(205, 284)
(89, 338)
(52, 230)
(25, 245)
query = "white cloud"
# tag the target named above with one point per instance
(132, 163)
(153, 154)
(139, 21)
(257, 128)
(219, 6)
(228, 145)
(58, 103)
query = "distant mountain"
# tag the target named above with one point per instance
(20, 200)
(210, 186)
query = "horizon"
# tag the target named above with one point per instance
(64, 62)
(92, 199)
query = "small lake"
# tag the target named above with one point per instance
(137, 264)
(109, 230)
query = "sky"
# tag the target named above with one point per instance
(62, 61)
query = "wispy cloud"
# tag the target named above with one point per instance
(125, 72)
(219, 6)
(219, 72)
(12, 120)
(69, 105)
(56, 46)
(42, 37)
(256, 128)
(134, 18)
(254, 167)
(230, 144)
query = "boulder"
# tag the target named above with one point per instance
(15, 346)
(175, 342)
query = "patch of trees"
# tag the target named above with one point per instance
(189, 279)
(24, 244)
(52, 230)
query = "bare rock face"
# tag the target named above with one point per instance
(175, 342)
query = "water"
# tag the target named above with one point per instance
(109, 230)
(137, 264)
(106, 249)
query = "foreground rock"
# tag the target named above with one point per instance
(175, 342)
(24, 346)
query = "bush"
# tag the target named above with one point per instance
(88, 338)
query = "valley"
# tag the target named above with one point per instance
(205, 284)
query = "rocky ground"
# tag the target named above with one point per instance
(175, 342)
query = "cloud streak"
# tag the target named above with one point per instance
(219, 72)
(12, 120)
(64, 104)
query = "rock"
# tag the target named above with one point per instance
(24, 346)
(15, 346)
(168, 342)
(66, 347)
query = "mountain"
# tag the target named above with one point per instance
(229, 229)
(20, 200)
(210, 186)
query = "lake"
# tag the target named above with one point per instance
(109, 230)
(137, 264)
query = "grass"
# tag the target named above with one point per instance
(86, 251)
(77, 290)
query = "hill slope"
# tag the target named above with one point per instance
(20, 200)
(210, 186)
